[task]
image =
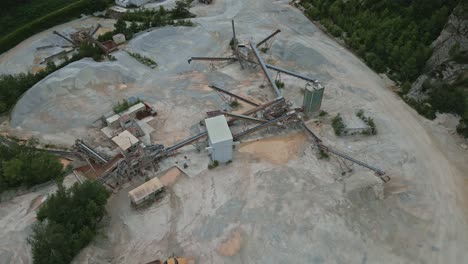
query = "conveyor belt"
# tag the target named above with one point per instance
(185, 142)
(211, 58)
(249, 118)
(269, 37)
(91, 151)
(265, 125)
(265, 70)
(300, 76)
(380, 173)
(233, 95)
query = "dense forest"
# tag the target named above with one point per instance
(22, 19)
(394, 37)
(24, 165)
(68, 221)
(390, 35)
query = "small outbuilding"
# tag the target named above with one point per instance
(146, 191)
(119, 38)
(219, 139)
(353, 124)
(125, 140)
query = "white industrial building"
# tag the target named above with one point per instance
(219, 139)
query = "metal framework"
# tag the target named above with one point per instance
(243, 99)
(268, 38)
(265, 70)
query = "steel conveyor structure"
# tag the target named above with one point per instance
(245, 117)
(236, 47)
(265, 70)
(184, 143)
(243, 99)
(90, 151)
(300, 76)
(380, 173)
(212, 59)
(268, 38)
(265, 125)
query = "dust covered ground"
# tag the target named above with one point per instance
(276, 202)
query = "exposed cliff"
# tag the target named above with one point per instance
(449, 59)
(444, 85)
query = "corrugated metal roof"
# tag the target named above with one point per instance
(218, 129)
(125, 140)
(141, 192)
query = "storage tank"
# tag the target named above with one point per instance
(313, 95)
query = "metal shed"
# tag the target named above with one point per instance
(145, 191)
(219, 139)
(125, 140)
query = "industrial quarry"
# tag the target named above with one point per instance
(254, 137)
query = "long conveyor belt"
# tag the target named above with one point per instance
(265, 125)
(233, 95)
(380, 173)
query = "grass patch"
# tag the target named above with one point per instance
(144, 60)
(213, 164)
(124, 105)
(323, 113)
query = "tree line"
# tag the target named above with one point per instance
(394, 37)
(12, 86)
(67, 222)
(25, 165)
(390, 35)
(143, 19)
(20, 21)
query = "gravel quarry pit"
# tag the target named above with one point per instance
(263, 208)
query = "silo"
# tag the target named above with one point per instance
(313, 95)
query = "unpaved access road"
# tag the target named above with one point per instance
(297, 210)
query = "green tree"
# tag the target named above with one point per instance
(120, 26)
(12, 171)
(181, 9)
(67, 222)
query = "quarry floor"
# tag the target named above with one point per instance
(276, 202)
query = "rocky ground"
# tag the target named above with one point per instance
(441, 66)
(277, 202)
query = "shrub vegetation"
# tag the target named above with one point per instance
(338, 125)
(68, 221)
(143, 19)
(24, 165)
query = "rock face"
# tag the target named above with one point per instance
(441, 65)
